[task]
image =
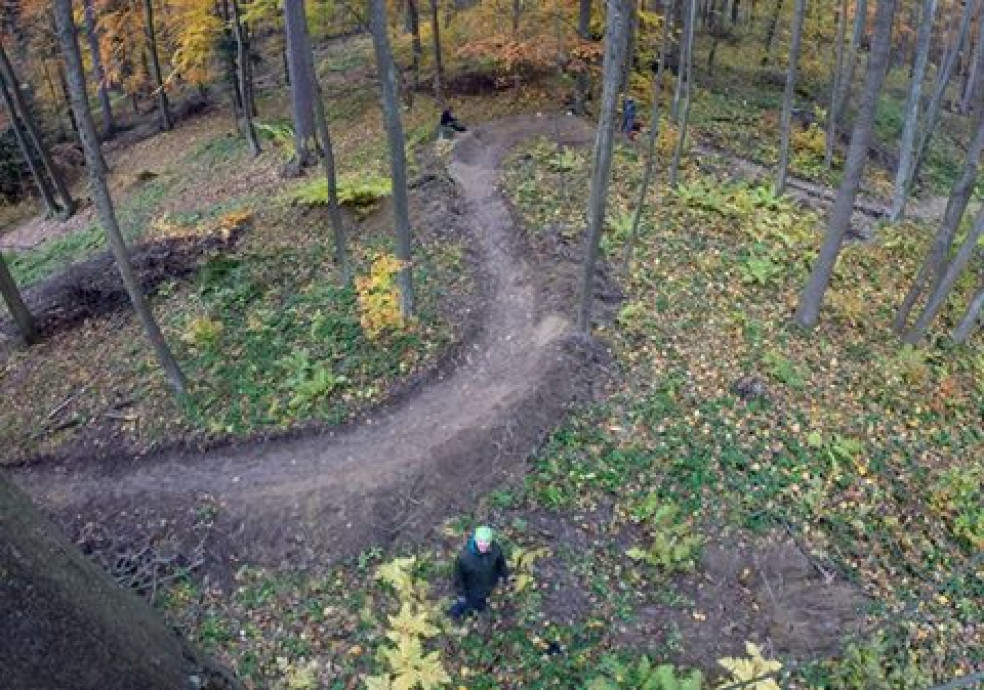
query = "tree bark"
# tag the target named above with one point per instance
(63, 83)
(517, 10)
(971, 318)
(244, 82)
(939, 296)
(438, 56)
(971, 100)
(155, 65)
(932, 117)
(15, 305)
(98, 73)
(630, 47)
(397, 147)
(932, 269)
(68, 625)
(828, 154)
(416, 48)
(847, 79)
(40, 179)
(908, 140)
(770, 33)
(616, 38)
(302, 98)
(687, 69)
(786, 125)
(583, 80)
(65, 201)
(808, 311)
(100, 193)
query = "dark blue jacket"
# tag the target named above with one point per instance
(476, 574)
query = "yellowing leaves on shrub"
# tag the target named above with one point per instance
(379, 298)
(750, 668)
(397, 575)
(409, 623)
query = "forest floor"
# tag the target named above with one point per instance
(724, 479)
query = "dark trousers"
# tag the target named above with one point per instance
(466, 604)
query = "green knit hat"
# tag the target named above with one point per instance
(484, 534)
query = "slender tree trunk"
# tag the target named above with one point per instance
(974, 77)
(971, 318)
(770, 33)
(63, 83)
(98, 73)
(828, 154)
(517, 10)
(808, 311)
(687, 68)
(647, 174)
(931, 271)
(100, 192)
(397, 147)
(302, 98)
(155, 65)
(786, 126)
(68, 625)
(250, 82)
(932, 118)
(630, 48)
(417, 50)
(40, 179)
(847, 79)
(64, 199)
(912, 109)
(616, 38)
(15, 305)
(939, 296)
(438, 56)
(583, 81)
(682, 60)
(243, 75)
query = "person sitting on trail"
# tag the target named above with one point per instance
(629, 124)
(479, 568)
(450, 124)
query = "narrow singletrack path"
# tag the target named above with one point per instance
(318, 497)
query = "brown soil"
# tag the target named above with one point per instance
(313, 499)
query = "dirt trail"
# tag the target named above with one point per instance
(316, 498)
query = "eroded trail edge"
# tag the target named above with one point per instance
(314, 499)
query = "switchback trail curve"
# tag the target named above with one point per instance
(316, 498)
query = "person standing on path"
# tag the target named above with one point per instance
(629, 127)
(479, 568)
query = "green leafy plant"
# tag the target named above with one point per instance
(202, 332)
(751, 667)
(643, 675)
(673, 545)
(361, 193)
(784, 369)
(760, 269)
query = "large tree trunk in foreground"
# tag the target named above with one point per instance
(163, 108)
(64, 199)
(786, 126)
(808, 311)
(970, 319)
(100, 193)
(15, 305)
(616, 38)
(908, 140)
(931, 271)
(301, 95)
(66, 624)
(98, 73)
(397, 149)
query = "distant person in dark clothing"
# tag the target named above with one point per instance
(450, 124)
(629, 125)
(479, 568)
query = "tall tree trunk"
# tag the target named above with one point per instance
(68, 625)
(244, 84)
(438, 56)
(64, 199)
(975, 77)
(583, 80)
(970, 318)
(63, 83)
(397, 149)
(686, 71)
(40, 179)
(847, 79)
(616, 38)
(517, 10)
(808, 311)
(786, 126)
(681, 20)
(647, 174)
(932, 118)
(770, 33)
(302, 98)
(416, 48)
(98, 73)
(100, 193)
(908, 140)
(155, 65)
(939, 296)
(15, 305)
(630, 46)
(931, 271)
(250, 82)
(828, 154)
